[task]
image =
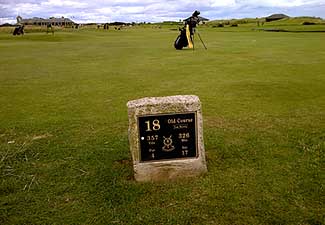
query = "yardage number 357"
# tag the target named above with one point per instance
(155, 125)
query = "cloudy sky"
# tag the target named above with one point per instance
(83, 11)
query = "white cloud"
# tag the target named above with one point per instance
(28, 8)
(155, 10)
(63, 3)
(223, 3)
(279, 3)
(105, 10)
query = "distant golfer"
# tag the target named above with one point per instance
(50, 28)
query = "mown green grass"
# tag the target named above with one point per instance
(64, 154)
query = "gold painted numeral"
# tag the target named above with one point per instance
(155, 125)
(183, 135)
(184, 152)
(152, 138)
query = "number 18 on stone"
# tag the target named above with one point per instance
(166, 138)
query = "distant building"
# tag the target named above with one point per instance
(275, 17)
(66, 22)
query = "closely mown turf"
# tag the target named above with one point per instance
(64, 154)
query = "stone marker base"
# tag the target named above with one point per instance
(166, 137)
(168, 170)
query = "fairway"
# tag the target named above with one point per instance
(64, 152)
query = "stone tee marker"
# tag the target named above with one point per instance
(166, 137)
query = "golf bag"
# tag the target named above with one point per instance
(181, 40)
(19, 30)
(187, 32)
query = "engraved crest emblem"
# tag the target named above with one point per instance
(168, 147)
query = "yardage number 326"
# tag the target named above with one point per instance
(155, 125)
